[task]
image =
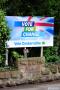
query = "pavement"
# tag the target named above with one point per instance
(46, 86)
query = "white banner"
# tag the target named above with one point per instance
(30, 31)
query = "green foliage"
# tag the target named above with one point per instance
(16, 55)
(1, 59)
(7, 68)
(4, 34)
(51, 54)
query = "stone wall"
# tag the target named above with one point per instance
(35, 68)
(30, 70)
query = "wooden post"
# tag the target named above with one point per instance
(25, 52)
(6, 62)
(41, 52)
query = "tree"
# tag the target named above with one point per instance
(4, 35)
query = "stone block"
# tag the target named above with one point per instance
(2, 75)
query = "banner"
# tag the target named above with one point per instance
(28, 31)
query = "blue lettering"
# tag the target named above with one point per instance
(31, 34)
(24, 23)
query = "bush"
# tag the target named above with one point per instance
(52, 58)
(51, 54)
(2, 61)
(4, 35)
